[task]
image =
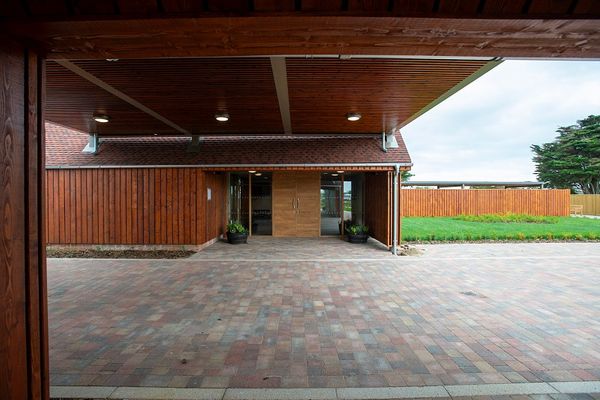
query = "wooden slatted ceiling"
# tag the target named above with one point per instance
(72, 101)
(190, 91)
(385, 92)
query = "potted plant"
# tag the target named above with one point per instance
(236, 233)
(357, 233)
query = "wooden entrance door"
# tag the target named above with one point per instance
(296, 203)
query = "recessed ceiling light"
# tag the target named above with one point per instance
(334, 174)
(251, 172)
(340, 172)
(102, 118)
(353, 116)
(258, 174)
(222, 117)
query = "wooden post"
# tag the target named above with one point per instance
(23, 316)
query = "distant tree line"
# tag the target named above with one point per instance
(572, 160)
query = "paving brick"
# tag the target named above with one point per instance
(324, 313)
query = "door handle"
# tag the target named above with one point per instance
(297, 202)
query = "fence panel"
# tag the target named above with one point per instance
(590, 203)
(448, 203)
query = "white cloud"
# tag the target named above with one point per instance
(484, 131)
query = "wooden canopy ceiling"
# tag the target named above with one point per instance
(182, 96)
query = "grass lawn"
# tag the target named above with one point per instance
(454, 229)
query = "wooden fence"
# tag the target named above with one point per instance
(447, 203)
(134, 206)
(590, 203)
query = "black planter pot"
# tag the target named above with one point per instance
(237, 238)
(360, 238)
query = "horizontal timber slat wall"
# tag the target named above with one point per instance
(152, 206)
(590, 203)
(447, 203)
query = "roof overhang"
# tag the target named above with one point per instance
(261, 95)
(286, 47)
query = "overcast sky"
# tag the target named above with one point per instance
(484, 131)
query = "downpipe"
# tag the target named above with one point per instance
(396, 176)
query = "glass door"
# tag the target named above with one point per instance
(331, 203)
(239, 198)
(261, 203)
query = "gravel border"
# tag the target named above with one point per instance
(136, 254)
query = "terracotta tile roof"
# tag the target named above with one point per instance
(64, 148)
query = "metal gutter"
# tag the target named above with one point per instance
(335, 165)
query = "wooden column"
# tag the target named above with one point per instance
(23, 316)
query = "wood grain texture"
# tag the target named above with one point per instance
(378, 206)
(37, 297)
(308, 204)
(13, 314)
(296, 204)
(134, 206)
(571, 36)
(447, 203)
(284, 197)
(23, 318)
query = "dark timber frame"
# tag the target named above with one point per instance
(60, 31)
(23, 318)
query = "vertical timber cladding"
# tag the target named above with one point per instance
(378, 205)
(153, 206)
(23, 317)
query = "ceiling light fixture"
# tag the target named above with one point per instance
(353, 116)
(102, 118)
(251, 172)
(340, 172)
(222, 117)
(334, 174)
(258, 174)
(112, 59)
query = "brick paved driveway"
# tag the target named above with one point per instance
(459, 314)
